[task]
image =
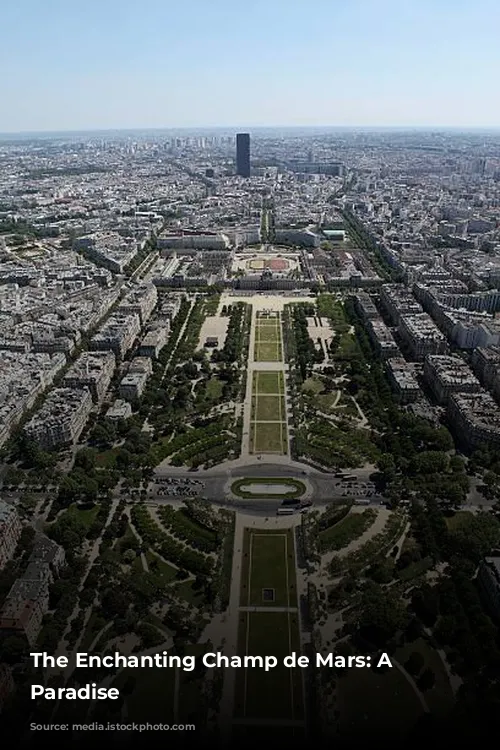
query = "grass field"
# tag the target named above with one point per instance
(276, 694)
(268, 351)
(268, 563)
(266, 383)
(269, 408)
(268, 346)
(268, 422)
(268, 437)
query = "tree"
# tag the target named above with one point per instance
(426, 680)
(382, 615)
(415, 663)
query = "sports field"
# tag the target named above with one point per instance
(268, 345)
(268, 430)
(269, 582)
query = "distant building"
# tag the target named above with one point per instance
(447, 374)
(10, 531)
(475, 418)
(6, 684)
(243, 154)
(121, 409)
(403, 379)
(28, 599)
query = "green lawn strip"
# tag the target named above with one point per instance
(347, 530)
(268, 437)
(268, 334)
(440, 697)
(267, 382)
(276, 694)
(269, 408)
(266, 352)
(272, 560)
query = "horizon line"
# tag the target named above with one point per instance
(245, 128)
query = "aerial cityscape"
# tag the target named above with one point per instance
(250, 388)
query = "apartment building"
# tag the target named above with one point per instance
(92, 370)
(24, 608)
(421, 335)
(447, 374)
(398, 301)
(28, 599)
(6, 684)
(154, 341)
(382, 338)
(10, 531)
(403, 379)
(133, 385)
(61, 419)
(475, 419)
(117, 335)
(141, 301)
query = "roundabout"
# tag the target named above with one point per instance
(260, 488)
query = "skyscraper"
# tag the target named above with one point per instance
(243, 154)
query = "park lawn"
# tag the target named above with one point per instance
(326, 401)
(376, 706)
(163, 571)
(268, 437)
(348, 347)
(458, 520)
(152, 697)
(214, 388)
(268, 383)
(313, 385)
(267, 352)
(268, 562)
(185, 591)
(348, 529)
(269, 409)
(278, 693)
(440, 697)
(268, 333)
(85, 515)
(106, 459)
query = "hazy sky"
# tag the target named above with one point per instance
(83, 64)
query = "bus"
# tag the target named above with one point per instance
(285, 511)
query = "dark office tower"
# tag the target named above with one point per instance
(243, 154)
